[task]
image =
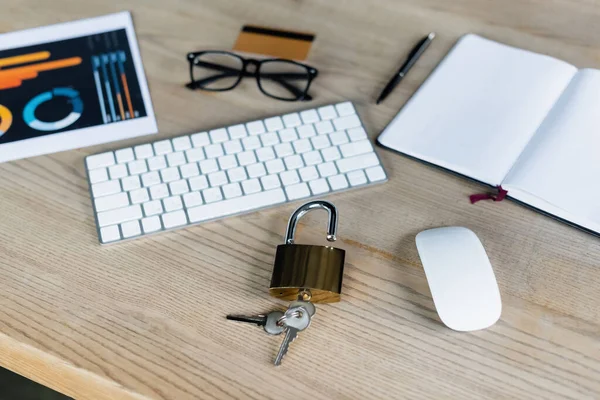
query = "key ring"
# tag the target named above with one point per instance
(283, 318)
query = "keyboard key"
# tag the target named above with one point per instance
(251, 186)
(214, 150)
(100, 160)
(251, 142)
(139, 196)
(150, 178)
(293, 162)
(327, 112)
(130, 229)
(265, 154)
(275, 166)
(226, 162)
(208, 166)
(288, 135)
(143, 151)
(159, 191)
(124, 155)
(218, 135)
(305, 131)
(237, 174)
(233, 147)
(337, 182)
(237, 205)
(289, 178)
(312, 157)
(351, 121)
(158, 162)
(274, 124)
(320, 142)
(131, 183)
(189, 170)
(232, 190)
(173, 219)
(324, 127)
(357, 177)
(192, 199)
(255, 127)
(331, 154)
(327, 169)
(338, 138)
(110, 234)
(200, 139)
(358, 162)
(284, 150)
(151, 224)
(117, 171)
(172, 203)
(308, 173)
(182, 143)
(175, 159)
(111, 202)
(345, 108)
(179, 187)
(163, 147)
(291, 120)
(119, 215)
(309, 116)
(355, 148)
(319, 186)
(269, 139)
(302, 146)
(270, 182)
(357, 134)
(237, 131)
(256, 170)
(211, 195)
(193, 155)
(98, 175)
(198, 182)
(137, 167)
(217, 178)
(298, 191)
(170, 174)
(375, 174)
(106, 188)
(153, 207)
(246, 158)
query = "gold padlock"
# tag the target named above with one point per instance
(317, 269)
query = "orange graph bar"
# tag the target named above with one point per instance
(120, 101)
(31, 71)
(126, 89)
(25, 58)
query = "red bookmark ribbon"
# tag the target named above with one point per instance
(501, 195)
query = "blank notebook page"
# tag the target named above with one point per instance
(479, 108)
(559, 170)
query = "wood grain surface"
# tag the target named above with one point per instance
(146, 319)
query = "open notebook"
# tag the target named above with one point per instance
(512, 118)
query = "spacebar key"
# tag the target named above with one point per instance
(236, 205)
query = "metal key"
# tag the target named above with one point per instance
(269, 322)
(295, 319)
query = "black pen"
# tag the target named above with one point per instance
(410, 61)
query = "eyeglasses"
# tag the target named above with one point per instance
(281, 79)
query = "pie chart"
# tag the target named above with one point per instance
(76, 104)
(5, 119)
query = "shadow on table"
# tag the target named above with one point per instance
(16, 387)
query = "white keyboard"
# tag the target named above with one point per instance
(195, 178)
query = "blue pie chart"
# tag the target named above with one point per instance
(76, 105)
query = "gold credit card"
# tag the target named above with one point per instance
(274, 42)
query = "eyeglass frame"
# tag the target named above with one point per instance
(244, 73)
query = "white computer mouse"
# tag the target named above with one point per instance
(461, 278)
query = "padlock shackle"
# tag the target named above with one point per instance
(313, 205)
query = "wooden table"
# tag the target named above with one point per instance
(145, 319)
